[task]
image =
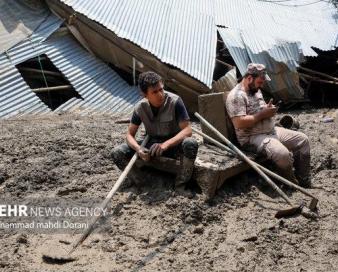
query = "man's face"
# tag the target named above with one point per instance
(255, 83)
(155, 95)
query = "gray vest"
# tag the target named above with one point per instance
(164, 124)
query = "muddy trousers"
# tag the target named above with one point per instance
(286, 148)
(185, 151)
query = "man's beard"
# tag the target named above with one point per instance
(252, 89)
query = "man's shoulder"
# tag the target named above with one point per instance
(172, 96)
(236, 93)
(143, 101)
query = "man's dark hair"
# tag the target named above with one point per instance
(148, 79)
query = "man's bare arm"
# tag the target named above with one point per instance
(158, 149)
(131, 141)
(248, 121)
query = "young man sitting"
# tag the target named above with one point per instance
(167, 122)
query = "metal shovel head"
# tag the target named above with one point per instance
(58, 255)
(289, 212)
(57, 259)
(313, 204)
(307, 213)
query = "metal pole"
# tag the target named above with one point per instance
(245, 158)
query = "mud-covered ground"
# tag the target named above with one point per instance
(150, 228)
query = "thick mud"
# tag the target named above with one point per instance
(150, 227)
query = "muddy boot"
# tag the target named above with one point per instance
(121, 155)
(184, 175)
(305, 181)
(302, 169)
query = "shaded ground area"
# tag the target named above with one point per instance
(151, 228)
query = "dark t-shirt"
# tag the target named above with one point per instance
(180, 113)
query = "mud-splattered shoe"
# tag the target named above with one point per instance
(305, 182)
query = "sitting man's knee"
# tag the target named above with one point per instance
(120, 156)
(190, 147)
(283, 158)
(305, 143)
(116, 153)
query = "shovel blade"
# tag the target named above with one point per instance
(58, 255)
(289, 212)
(51, 259)
(313, 204)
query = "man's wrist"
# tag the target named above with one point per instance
(257, 117)
(165, 145)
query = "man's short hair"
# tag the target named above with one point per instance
(256, 70)
(148, 79)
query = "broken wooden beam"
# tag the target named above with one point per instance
(123, 121)
(312, 78)
(225, 64)
(52, 73)
(303, 78)
(56, 88)
(161, 163)
(318, 73)
(208, 174)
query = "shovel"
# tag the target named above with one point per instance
(314, 200)
(52, 258)
(294, 209)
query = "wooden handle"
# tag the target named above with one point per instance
(108, 197)
(267, 171)
(245, 158)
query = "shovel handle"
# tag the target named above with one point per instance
(245, 158)
(108, 197)
(267, 171)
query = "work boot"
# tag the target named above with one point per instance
(185, 173)
(302, 170)
(305, 181)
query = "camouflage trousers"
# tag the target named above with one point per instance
(286, 148)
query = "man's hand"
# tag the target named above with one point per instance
(157, 149)
(144, 154)
(269, 111)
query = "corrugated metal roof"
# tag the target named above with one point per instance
(279, 61)
(177, 33)
(272, 23)
(15, 95)
(100, 87)
(278, 35)
(33, 45)
(182, 32)
(18, 19)
(280, 51)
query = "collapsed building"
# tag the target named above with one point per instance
(96, 49)
(48, 71)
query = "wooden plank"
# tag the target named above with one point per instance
(212, 168)
(212, 108)
(161, 163)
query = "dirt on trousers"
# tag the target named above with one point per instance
(151, 228)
